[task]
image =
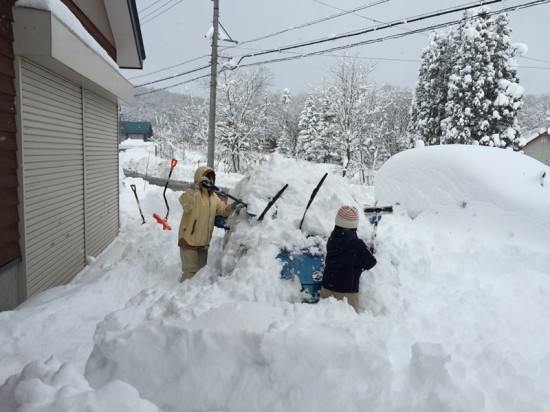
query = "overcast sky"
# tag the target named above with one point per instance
(174, 33)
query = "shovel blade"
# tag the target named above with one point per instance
(162, 221)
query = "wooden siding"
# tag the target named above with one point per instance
(53, 186)
(101, 171)
(9, 215)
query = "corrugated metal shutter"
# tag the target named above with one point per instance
(101, 170)
(53, 173)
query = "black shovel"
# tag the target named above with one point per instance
(137, 200)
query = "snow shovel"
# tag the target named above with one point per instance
(376, 213)
(164, 222)
(137, 200)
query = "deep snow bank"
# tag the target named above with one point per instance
(456, 175)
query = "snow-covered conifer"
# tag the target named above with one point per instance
(430, 96)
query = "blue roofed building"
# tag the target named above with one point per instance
(135, 130)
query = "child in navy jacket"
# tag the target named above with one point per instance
(347, 257)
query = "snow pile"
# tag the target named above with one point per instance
(143, 161)
(455, 316)
(459, 175)
(55, 387)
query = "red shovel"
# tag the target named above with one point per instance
(164, 222)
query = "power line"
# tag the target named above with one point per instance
(537, 60)
(175, 75)
(358, 15)
(162, 12)
(389, 37)
(344, 35)
(311, 23)
(174, 85)
(534, 67)
(157, 9)
(333, 55)
(266, 36)
(384, 26)
(365, 42)
(169, 67)
(149, 6)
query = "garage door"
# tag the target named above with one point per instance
(53, 178)
(101, 170)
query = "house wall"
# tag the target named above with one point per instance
(10, 253)
(58, 149)
(539, 149)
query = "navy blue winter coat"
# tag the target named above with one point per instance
(347, 257)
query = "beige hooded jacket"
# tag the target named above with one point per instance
(200, 207)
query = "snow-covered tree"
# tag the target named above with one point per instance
(243, 103)
(284, 121)
(475, 65)
(469, 108)
(309, 146)
(430, 96)
(508, 98)
(395, 114)
(351, 100)
(535, 112)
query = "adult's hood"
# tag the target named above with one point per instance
(201, 171)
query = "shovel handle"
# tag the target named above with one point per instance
(173, 163)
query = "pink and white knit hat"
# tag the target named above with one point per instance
(347, 217)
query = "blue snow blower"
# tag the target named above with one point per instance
(307, 267)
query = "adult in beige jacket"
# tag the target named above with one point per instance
(200, 207)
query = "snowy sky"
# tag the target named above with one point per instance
(186, 23)
(454, 317)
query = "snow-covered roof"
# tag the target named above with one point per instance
(533, 134)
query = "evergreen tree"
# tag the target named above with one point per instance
(328, 132)
(468, 109)
(284, 122)
(467, 90)
(508, 98)
(430, 97)
(309, 140)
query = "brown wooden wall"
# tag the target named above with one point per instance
(9, 216)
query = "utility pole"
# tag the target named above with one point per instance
(213, 86)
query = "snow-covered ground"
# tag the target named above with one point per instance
(455, 316)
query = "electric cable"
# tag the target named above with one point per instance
(161, 13)
(266, 36)
(148, 7)
(413, 19)
(365, 42)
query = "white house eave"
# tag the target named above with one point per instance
(124, 32)
(41, 37)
